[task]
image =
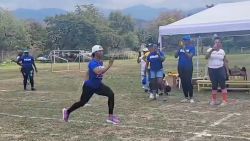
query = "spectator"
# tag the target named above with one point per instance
(185, 67)
(217, 70)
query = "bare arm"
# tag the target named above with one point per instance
(226, 65)
(176, 54)
(146, 68)
(19, 63)
(34, 65)
(138, 58)
(209, 54)
(100, 70)
(162, 57)
(86, 76)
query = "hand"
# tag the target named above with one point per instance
(215, 47)
(228, 73)
(111, 61)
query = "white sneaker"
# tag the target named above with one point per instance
(151, 96)
(184, 101)
(161, 92)
(156, 95)
(223, 103)
(214, 102)
(191, 100)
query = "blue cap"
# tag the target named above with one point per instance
(186, 38)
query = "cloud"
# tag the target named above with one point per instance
(109, 4)
(38, 4)
(170, 4)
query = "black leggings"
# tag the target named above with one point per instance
(28, 75)
(186, 81)
(217, 77)
(88, 92)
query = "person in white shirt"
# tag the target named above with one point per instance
(217, 69)
(142, 60)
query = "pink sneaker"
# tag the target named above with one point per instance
(65, 114)
(113, 119)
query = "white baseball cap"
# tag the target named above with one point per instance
(96, 48)
(145, 49)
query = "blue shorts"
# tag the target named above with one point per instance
(156, 74)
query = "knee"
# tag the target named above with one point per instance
(111, 95)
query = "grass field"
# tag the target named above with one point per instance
(36, 115)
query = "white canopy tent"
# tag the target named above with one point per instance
(225, 17)
(220, 18)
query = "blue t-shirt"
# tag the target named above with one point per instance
(95, 80)
(184, 60)
(155, 61)
(27, 62)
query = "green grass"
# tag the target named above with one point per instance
(28, 116)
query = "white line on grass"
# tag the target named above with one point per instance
(42, 101)
(203, 133)
(78, 121)
(3, 90)
(99, 114)
(218, 122)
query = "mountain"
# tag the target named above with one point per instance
(37, 15)
(146, 13)
(143, 12)
(193, 11)
(139, 12)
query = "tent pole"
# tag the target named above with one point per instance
(160, 41)
(197, 59)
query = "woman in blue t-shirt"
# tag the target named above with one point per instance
(185, 67)
(155, 59)
(93, 84)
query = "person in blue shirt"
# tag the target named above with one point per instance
(93, 84)
(27, 64)
(155, 59)
(185, 67)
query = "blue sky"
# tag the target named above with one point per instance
(109, 4)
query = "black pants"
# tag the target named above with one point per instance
(186, 80)
(217, 77)
(28, 74)
(88, 92)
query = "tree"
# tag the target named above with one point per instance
(131, 41)
(13, 33)
(120, 23)
(80, 29)
(164, 19)
(38, 35)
